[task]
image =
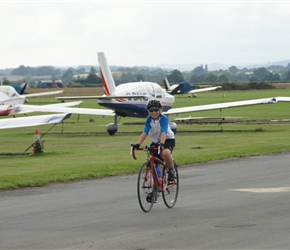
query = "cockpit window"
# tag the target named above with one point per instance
(9, 91)
(155, 91)
(150, 90)
(158, 92)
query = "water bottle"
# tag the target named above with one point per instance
(158, 170)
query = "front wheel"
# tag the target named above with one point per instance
(170, 189)
(145, 188)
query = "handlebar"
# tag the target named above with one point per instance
(132, 151)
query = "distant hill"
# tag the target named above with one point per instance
(170, 67)
(283, 63)
(217, 66)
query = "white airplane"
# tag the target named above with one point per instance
(176, 89)
(130, 99)
(11, 101)
(9, 98)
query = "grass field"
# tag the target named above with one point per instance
(80, 148)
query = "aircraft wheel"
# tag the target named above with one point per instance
(112, 128)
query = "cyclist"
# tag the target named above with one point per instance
(157, 127)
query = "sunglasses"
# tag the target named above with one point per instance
(153, 110)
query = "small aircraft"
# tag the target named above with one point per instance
(11, 101)
(130, 99)
(9, 98)
(184, 87)
(127, 99)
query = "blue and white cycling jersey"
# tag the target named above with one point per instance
(154, 128)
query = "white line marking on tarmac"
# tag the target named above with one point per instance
(263, 190)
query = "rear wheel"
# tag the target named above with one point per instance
(170, 189)
(145, 188)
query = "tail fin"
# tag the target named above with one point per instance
(23, 89)
(166, 84)
(169, 89)
(106, 74)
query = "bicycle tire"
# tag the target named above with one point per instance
(170, 191)
(145, 186)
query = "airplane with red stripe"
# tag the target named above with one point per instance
(9, 98)
(128, 99)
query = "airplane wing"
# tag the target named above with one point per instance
(63, 98)
(67, 104)
(20, 109)
(206, 118)
(226, 105)
(43, 93)
(32, 121)
(203, 89)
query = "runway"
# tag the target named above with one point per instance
(240, 203)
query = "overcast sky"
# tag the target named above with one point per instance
(131, 33)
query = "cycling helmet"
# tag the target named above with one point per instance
(154, 103)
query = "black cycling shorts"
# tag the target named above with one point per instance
(169, 143)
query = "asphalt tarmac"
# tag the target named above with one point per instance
(241, 203)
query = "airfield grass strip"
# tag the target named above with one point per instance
(80, 148)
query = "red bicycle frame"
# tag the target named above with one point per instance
(161, 182)
(149, 186)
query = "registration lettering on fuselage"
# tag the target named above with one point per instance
(145, 99)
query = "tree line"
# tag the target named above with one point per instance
(231, 78)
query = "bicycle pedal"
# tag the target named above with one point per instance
(149, 198)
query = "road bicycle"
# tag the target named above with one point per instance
(153, 180)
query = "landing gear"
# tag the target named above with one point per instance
(112, 128)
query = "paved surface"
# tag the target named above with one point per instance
(234, 204)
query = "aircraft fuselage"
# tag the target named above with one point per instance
(136, 107)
